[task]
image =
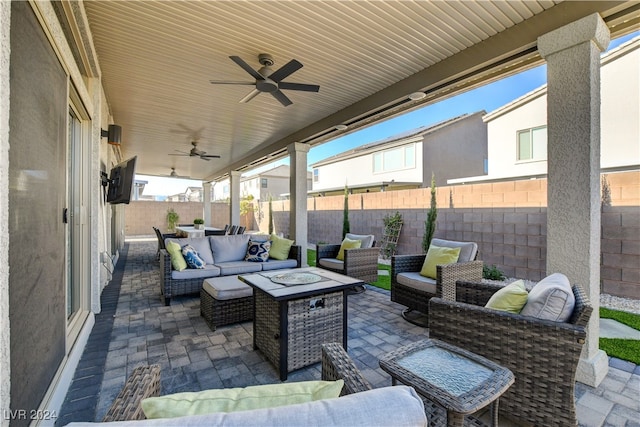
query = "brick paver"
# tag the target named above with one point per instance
(141, 330)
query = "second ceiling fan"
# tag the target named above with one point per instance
(194, 152)
(267, 80)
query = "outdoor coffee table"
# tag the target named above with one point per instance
(460, 381)
(295, 312)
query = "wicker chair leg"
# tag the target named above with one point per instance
(419, 319)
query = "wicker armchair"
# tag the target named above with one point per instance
(144, 382)
(361, 263)
(414, 291)
(542, 354)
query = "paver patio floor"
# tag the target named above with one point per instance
(193, 358)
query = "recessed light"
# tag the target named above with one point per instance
(417, 95)
(340, 127)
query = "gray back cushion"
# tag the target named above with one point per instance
(200, 244)
(229, 248)
(365, 239)
(468, 250)
(551, 299)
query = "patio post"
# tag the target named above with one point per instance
(234, 205)
(298, 190)
(572, 54)
(206, 203)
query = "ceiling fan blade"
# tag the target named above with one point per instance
(211, 156)
(282, 98)
(298, 86)
(246, 67)
(229, 82)
(286, 70)
(204, 158)
(250, 96)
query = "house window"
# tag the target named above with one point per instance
(532, 144)
(315, 175)
(263, 182)
(395, 159)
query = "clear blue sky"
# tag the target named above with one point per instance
(489, 97)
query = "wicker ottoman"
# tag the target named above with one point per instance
(225, 300)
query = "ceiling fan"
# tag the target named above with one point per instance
(194, 152)
(267, 80)
(174, 174)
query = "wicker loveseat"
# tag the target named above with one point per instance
(398, 406)
(542, 354)
(414, 291)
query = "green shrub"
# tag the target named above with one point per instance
(492, 273)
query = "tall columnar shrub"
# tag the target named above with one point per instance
(430, 223)
(345, 219)
(270, 215)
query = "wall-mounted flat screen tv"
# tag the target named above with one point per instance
(121, 181)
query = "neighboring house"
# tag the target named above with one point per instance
(274, 182)
(449, 149)
(517, 132)
(191, 194)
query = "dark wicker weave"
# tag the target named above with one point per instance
(359, 263)
(542, 354)
(295, 341)
(143, 382)
(447, 275)
(224, 312)
(170, 287)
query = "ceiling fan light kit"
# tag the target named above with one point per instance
(269, 81)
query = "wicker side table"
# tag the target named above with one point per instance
(458, 380)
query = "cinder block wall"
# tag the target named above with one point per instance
(141, 215)
(507, 220)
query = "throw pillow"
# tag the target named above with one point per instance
(438, 256)
(258, 251)
(191, 257)
(511, 298)
(551, 299)
(239, 399)
(348, 244)
(280, 247)
(177, 260)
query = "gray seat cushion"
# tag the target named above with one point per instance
(226, 288)
(276, 264)
(332, 263)
(468, 250)
(238, 267)
(196, 273)
(416, 281)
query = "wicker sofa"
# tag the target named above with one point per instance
(223, 255)
(542, 354)
(398, 406)
(414, 291)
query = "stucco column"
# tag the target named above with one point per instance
(5, 355)
(234, 205)
(206, 203)
(572, 53)
(298, 190)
